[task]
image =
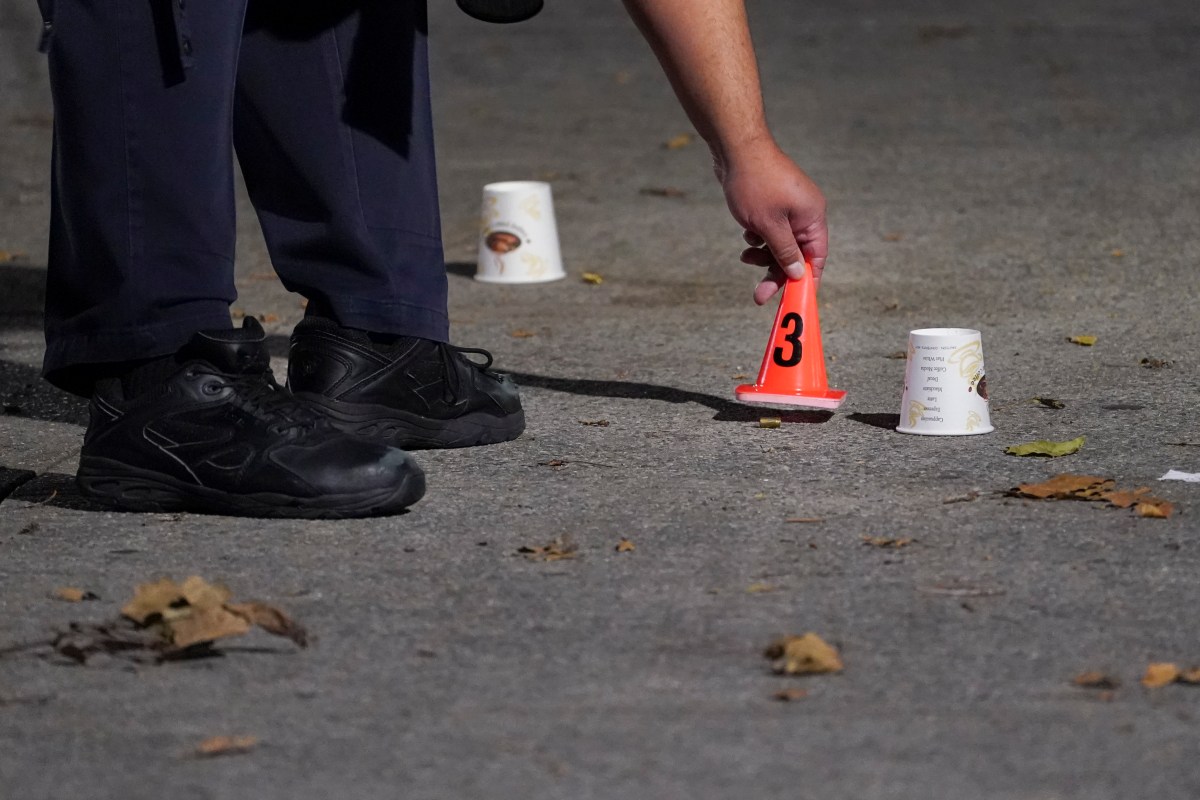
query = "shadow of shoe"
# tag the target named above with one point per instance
(727, 410)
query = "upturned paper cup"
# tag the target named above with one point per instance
(945, 385)
(518, 239)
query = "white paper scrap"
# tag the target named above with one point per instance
(1176, 475)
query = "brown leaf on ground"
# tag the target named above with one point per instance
(200, 594)
(271, 620)
(1096, 680)
(558, 549)
(1065, 487)
(803, 655)
(73, 594)
(886, 542)
(522, 333)
(1155, 363)
(893, 236)
(554, 462)
(679, 142)
(226, 746)
(1085, 340)
(152, 600)
(595, 423)
(1124, 498)
(205, 624)
(625, 546)
(1190, 676)
(1159, 675)
(1154, 508)
(268, 319)
(790, 695)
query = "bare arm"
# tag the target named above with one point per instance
(704, 46)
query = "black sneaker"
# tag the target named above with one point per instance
(411, 393)
(221, 436)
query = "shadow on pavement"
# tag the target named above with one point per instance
(888, 421)
(727, 410)
(57, 490)
(23, 393)
(23, 297)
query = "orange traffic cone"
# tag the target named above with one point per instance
(793, 369)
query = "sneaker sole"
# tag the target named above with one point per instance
(414, 432)
(126, 488)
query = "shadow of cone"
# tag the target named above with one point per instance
(793, 369)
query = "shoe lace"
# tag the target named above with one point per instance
(258, 393)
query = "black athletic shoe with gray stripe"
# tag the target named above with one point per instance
(408, 392)
(221, 436)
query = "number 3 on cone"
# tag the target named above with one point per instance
(796, 322)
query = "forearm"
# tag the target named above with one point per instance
(704, 46)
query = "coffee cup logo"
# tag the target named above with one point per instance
(502, 242)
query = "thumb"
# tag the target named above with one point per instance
(782, 244)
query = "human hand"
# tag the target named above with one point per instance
(781, 210)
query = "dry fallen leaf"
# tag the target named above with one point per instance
(770, 422)
(1154, 363)
(593, 278)
(268, 319)
(899, 355)
(205, 625)
(893, 236)
(1125, 497)
(886, 542)
(625, 546)
(73, 594)
(1117, 253)
(1048, 449)
(1154, 508)
(1159, 675)
(1190, 676)
(1066, 487)
(678, 142)
(196, 612)
(803, 655)
(790, 695)
(554, 462)
(521, 333)
(271, 620)
(595, 423)
(226, 746)
(1096, 680)
(1083, 340)
(558, 549)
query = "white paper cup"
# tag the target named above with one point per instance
(945, 385)
(518, 239)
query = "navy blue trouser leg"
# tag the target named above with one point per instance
(149, 97)
(334, 134)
